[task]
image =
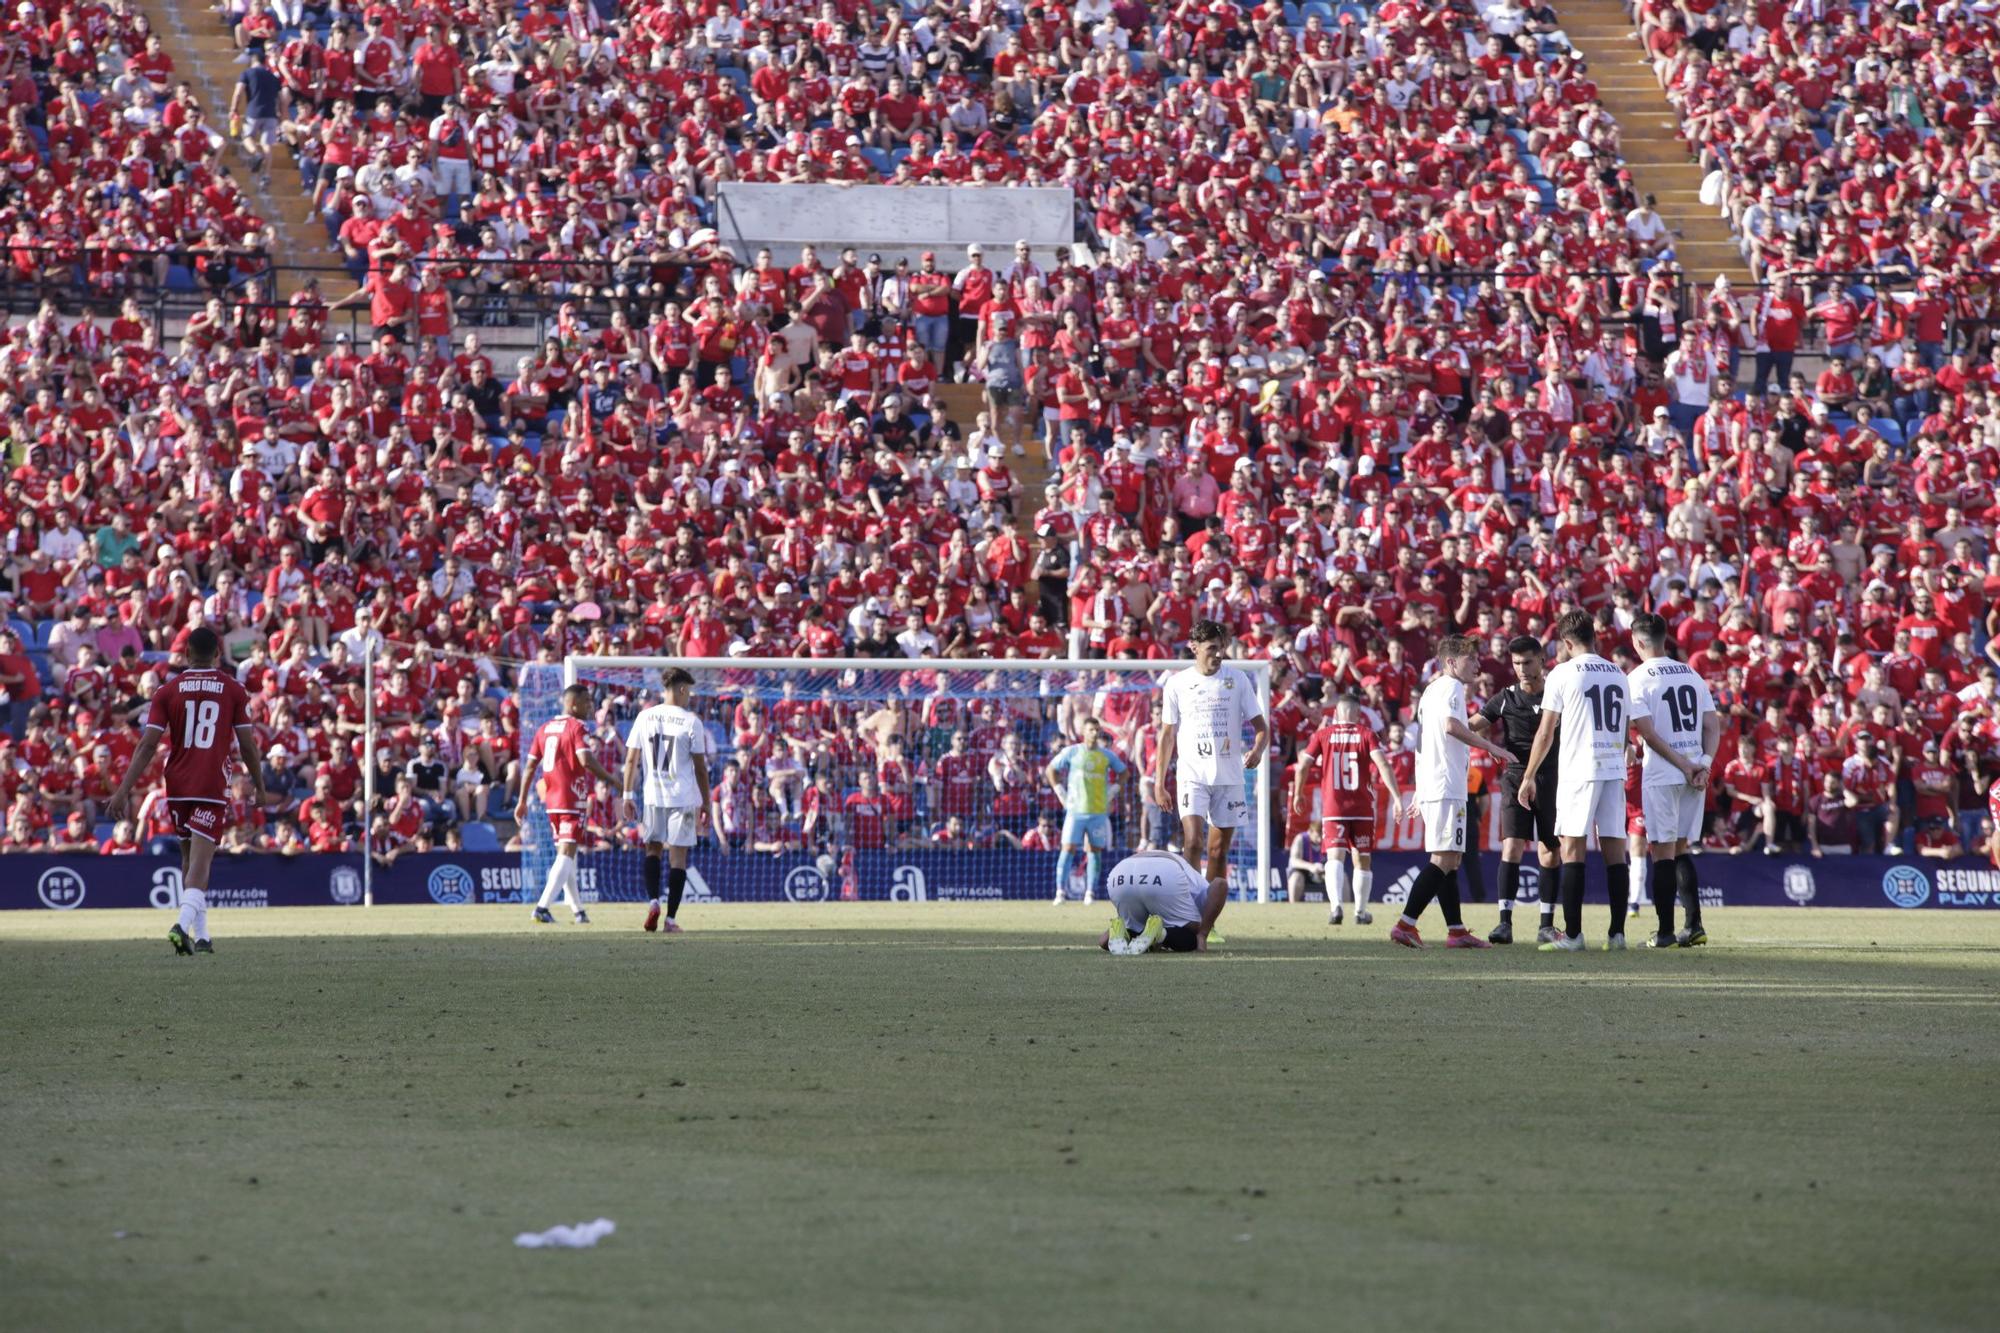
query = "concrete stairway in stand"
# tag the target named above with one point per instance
(1648, 127)
(204, 54)
(964, 403)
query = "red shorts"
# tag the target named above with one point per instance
(1345, 835)
(567, 825)
(202, 819)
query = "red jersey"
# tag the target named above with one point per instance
(199, 710)
(560, 745)
(1345, 754)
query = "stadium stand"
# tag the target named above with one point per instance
(1367, 337)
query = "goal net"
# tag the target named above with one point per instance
(884, 780)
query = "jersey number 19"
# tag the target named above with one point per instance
(1682, 707)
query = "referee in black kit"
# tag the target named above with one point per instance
(1515, 713)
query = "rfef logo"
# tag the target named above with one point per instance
(805, 885)
(450, 884)
(344, 885)
(60, 888)
(1906, 886)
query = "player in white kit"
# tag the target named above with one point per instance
(1589, 698)
(1444, 746)
(1159, 897)
(1203, 711)
(1674, 714)
(671, 747)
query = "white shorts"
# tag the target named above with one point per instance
(669, 824)
(1222, 805)
(1175, 904)
(1672, 812)
(1587, 806)
(1444, 826)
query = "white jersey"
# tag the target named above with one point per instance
(1156, 883)
(1441, 757)
(1590, 695)
(1675, 697)
(667, 739)
(1211, 713)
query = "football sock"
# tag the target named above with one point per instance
(1421, 893)
(677, 879)
(1065, 862)
(1336, 882)
(1665, 880)
(652, 872)
(1090, 864)
(1364, 884)
(1572, 896)
(1510, 884)
(1688, 880)
(1641, 868)
(194, 912)
(569, 886)
(1448, 900)
(1618, 879)
(561, 871)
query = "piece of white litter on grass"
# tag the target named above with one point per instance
(579, 1237)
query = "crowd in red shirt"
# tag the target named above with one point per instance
(1337, 374)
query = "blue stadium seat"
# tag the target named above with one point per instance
(1359, 14)
(43, 628)
(103, 829)
(1321, 8)
(479, 836)
(23, 631)
(180, 279)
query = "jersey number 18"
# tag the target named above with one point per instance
(198, 725)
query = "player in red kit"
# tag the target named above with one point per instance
(561, 751)
(199, 713)
(1342, 753)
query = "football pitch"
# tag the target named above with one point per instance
(945, 1117)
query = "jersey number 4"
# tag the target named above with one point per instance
(198, 725)
(1607, 708)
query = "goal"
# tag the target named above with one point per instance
(883, 779)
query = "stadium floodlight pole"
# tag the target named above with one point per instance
(367, 768)
(575, 665)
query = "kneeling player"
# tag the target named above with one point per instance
(1159, 897)
(1343, 752)
(198, 713)
(672, 746)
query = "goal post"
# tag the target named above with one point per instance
(885, 778)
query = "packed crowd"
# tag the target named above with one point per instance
(116, 178)
(1371, 344)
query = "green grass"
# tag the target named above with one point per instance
(962, 1118)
